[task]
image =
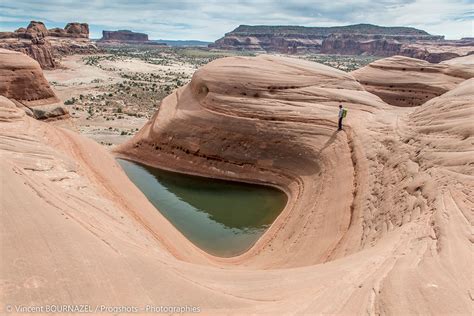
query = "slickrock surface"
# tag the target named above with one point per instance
(376, 220)
(22, 80)
(445, 129)
(404, 81)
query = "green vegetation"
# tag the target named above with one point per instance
(324, 31)
(70, 101)
(342, 62)
(137, 94)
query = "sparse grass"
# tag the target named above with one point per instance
(342, 62)
(138, 94)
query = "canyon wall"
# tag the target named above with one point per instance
(347, 40)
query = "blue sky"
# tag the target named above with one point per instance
(209, 20)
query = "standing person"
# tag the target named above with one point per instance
(342, 114)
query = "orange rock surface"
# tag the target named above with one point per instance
(404, 81)
(378, 219)
(22, 80)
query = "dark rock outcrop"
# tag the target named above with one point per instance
(123, 36)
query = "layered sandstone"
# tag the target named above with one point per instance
(404, 81)
(123, 36)
(22, 80)
(377, 218)
(47, 46)
(444, 126)
(294, 39)
(347, 40)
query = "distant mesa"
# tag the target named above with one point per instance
(126, 37)
(79, 30)
(359, 39)
(45, 45)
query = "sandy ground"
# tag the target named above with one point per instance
(76, 78)
(378, 220)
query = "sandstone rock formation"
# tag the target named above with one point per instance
(404, 81)
(445, 129)
(22, 80)
(77, 29)
(47, 46)
(377, 219)
(36, 47)
(72, 30)
(36, 28)
(123, 36)
(347, 40)
(300, 39)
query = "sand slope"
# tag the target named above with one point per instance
(377, 221)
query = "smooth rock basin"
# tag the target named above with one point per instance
(224, 218)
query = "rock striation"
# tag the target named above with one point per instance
(404, 81)
(377, 218)
(47, 46)
(347, 40)
(267, 120)
(22, 81)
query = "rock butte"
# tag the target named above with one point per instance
(123, 36)
(22, 80)
(47, 46)
(377, 218)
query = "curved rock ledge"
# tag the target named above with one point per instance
(404, 81)
(266, 120)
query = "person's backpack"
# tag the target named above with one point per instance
(344, 112)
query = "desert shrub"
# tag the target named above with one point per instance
(70, 101)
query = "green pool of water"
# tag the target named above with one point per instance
(224, 218)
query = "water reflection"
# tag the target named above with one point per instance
(222, 217)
